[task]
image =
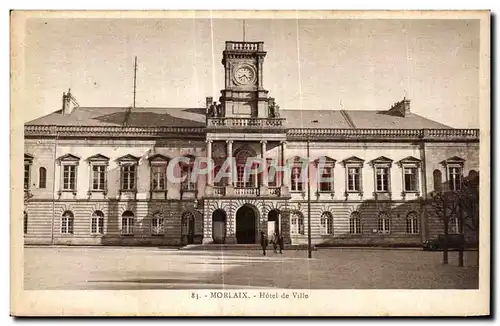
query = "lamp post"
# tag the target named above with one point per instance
(309, 253)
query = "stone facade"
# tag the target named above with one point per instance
(57, 212)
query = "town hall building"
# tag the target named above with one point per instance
(98, 175)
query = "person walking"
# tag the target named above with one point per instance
(275, 242)
(280, 242)
(263, 242)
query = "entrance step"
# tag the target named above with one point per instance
(253, 246)
(212, 246)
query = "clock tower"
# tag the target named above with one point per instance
(243, 94)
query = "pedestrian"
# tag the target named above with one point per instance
(263, 242)
(280, 242)
(275, 242)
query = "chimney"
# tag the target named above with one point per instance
(68, 103)
(400, 108)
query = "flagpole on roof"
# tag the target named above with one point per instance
(135, 79)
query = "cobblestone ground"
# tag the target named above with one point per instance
(156, 268)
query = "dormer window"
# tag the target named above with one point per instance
(382, 174)
(128, 173)
(69, 166)
(98, 173)
(454, 172)
(410, 167)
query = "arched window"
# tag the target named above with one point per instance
(473, 178)
(127, 222)
(384, 223)
(327, 223)
(42, 177)
(25, 222)
(187, 224)
(412, 223)
(244, 178)
(355, 223)
(438, 180)
(454, 226)
(97, 223)
(67, 222)
(157, 223)
(297, 223)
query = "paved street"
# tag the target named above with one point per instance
(156, 268)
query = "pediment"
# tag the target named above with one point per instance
(453, 159)
(128, 158)
(28, 157)
(381, 159)
(158, 158)
(353, 159)
(410, 159)
(326, 160)
(98, 157)
(68, 158)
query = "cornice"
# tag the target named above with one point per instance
(260, 125)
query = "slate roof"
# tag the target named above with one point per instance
(195, 117)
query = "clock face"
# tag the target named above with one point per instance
(244, 75)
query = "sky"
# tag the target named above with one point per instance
(311, 63)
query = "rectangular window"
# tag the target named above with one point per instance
(127, 225)
(128, 177)
(69, 177)
(158, 178)
(187, 184)
(326, 183)
(27, 169)
(353, 179)
(382, 179)
(455, 178)
(272, 177)
(410, 177)
(296, 179)
(98, 225)
(98, 177)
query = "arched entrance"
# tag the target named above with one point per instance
(219, 226)
(246, 221)
(187, 228)
(273, 224)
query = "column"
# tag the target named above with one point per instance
(229, 157)
(209, 158)
(263, 144)
(283, 177)
(282, 162)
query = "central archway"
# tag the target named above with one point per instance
(246, 220)
(219, 226)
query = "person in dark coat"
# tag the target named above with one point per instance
(275, 242)
(280, 242)
(263, 242)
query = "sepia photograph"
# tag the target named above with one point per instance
(250, 159)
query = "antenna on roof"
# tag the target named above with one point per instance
(135, 79)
